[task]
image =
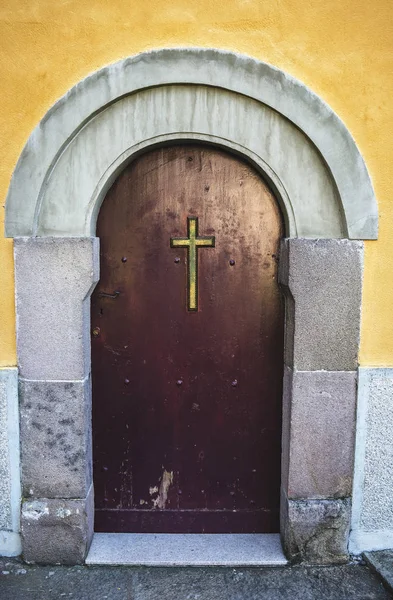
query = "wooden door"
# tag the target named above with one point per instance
(187, 347)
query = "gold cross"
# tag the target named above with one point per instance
(192, 243)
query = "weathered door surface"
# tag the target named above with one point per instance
(187, 348)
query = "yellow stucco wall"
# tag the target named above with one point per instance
(342, 50)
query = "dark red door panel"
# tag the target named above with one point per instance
(187, 347)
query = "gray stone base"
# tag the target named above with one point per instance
(57, 531)
(316, 531)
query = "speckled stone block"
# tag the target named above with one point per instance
(323, 282)
(318, 433)
(57, 531)
(54, 278)
(316, 531)
(55, 438)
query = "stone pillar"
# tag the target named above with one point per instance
(54, 280)
(322, 281)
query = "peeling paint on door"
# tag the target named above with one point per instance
(166, 482)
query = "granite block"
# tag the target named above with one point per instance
(316, 531)
(323, 278)
(319, 447)
(54, 278)
(55, 438)
(57, 531)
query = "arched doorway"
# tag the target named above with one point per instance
(187, 348)
(71, 160)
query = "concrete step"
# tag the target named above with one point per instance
(199, 550)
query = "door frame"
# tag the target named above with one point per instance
(270, 119)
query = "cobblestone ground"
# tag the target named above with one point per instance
(349, 582)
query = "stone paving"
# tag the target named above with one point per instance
(347, 582)
(382, 563)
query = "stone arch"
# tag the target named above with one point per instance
(232, 98)
(319, 177)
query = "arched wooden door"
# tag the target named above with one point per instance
(187, 347)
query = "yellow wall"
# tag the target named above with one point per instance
(343, 50)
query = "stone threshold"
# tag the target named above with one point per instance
(186, 550)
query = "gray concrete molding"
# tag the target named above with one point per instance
(282, 154)
(10, 543)
(243, 76)
(372, 514)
